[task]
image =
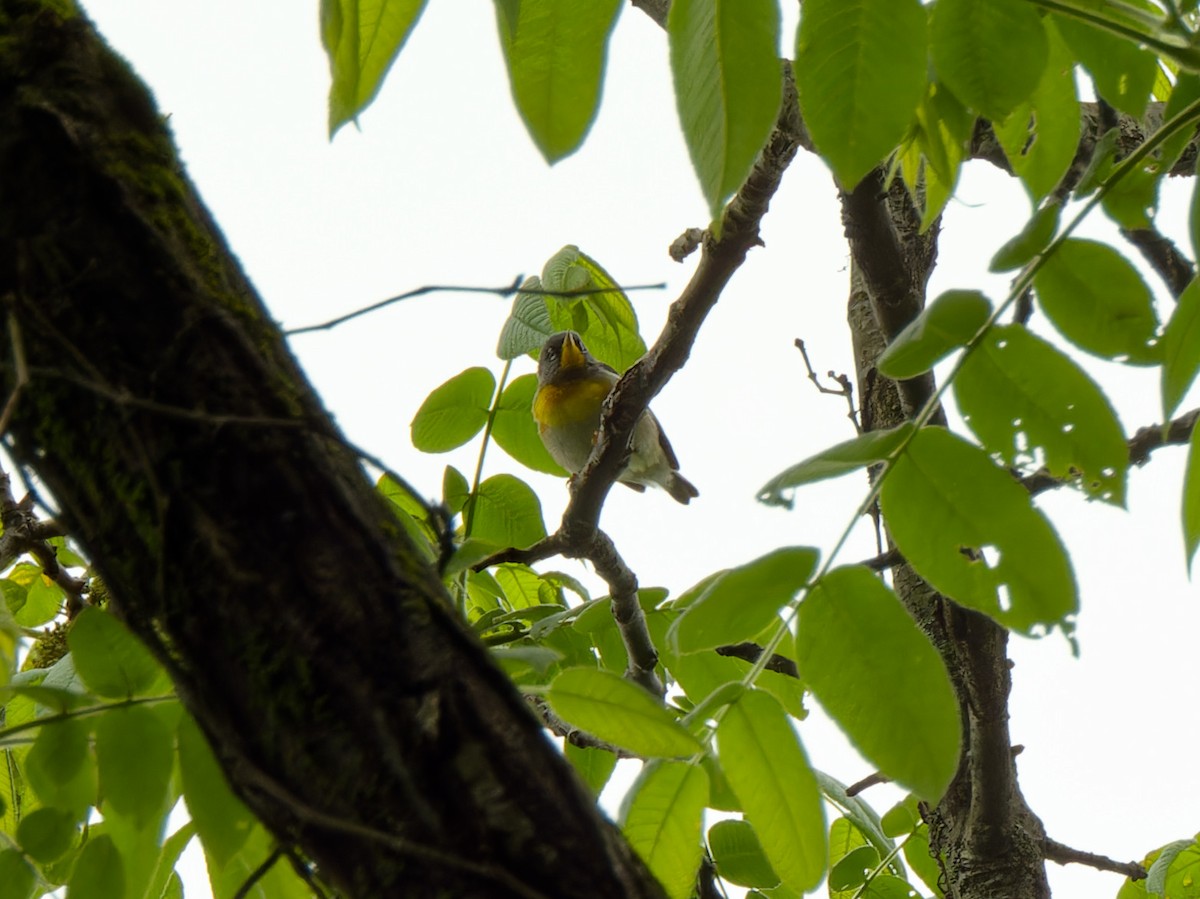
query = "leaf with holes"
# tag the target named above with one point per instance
(1020, 396)
(971, 530)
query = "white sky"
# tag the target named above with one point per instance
(443, 186)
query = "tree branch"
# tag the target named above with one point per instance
(1065, 855)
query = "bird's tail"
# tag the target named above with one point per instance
(681, 489)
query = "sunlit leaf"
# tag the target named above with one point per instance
(454, 412)
(662, 818)
(743, 600)
(506, 512)
(972, 531)
(362, 39)
(604, 319)
(860, 71)
(739, 855)
(555, 51)
(769, 772)
(619, 712)
(594, 766)
(728, 83)
(222, 821)
(877, 675)
(528, 324)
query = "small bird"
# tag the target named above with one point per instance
(572, 386)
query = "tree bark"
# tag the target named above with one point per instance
(987, 839)
(234, 528)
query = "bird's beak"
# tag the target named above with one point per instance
(572, 353)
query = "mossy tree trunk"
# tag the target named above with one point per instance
(236, 531)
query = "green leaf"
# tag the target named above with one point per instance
(46, 834)
(860, 72)
(728, 84)
(1099, 302)
(1020, 394)
(135, 752)
(972, 531)
(877, 676)
(946, 324)
(528, 324)
(991, 53)
(166, 883)
(455, 489)
(739, 855)
(1185, 92)
(99, 873)
(619, 712)
(851, 455)
(1181, 349)
(16, 876)
(111, 661)
(1191, 499)
(851, 871)
(362, 39)
(662, 818)
(594, 766)
(555, 52)
(42, 599)
(767, 768)
(743, 600)
(455, 412)
(1122, 71)
(1034, 237)
(1132, 201)
(605, 319)
(221, 820)
(919, 855)
(932, 160)
(507, 513)
(60, 766)
(515, 430)
(1041, 136)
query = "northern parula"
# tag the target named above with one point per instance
(572, 386)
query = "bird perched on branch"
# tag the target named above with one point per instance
(572, 386)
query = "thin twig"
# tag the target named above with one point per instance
(1065, 855)
(502, 292)
(844, 388)
(749, 652)
(259, 873)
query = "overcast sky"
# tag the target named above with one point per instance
(443, 186)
